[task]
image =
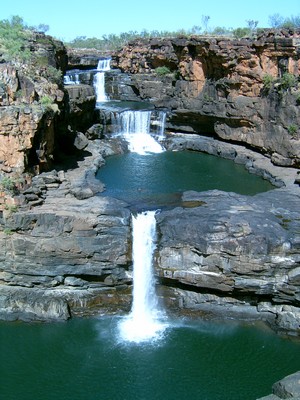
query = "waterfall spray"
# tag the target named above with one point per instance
(143, 322)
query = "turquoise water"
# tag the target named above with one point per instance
(84, 359)
(159, 179)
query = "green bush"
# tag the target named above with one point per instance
(241, 32)
(14, 36)
(54, 74)
(47, 103)
(292, 130)
(288, 81)
(162, 70)
(8, 185)
(268, 81)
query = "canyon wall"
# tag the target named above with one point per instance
(31, 97)
(217, 87)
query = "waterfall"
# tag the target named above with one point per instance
(104, 64)
(71, 79)
(99, 80)
(143, 322)
(160, 124)
(135, 127)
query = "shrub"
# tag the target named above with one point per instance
(7, 231)
(14, 36)
(241, 32)
(11, 208)
(8, 185)
(268, 81)
(288, 81)
(54, 74)
(47, 103)
(292, 130)
(162, 70)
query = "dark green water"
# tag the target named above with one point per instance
(84, 360)
(159, 179)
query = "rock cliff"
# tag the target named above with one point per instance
(31, 96)
(232, 89)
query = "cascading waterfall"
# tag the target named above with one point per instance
(71, 79)
(135, 127)
(159, 124)
(99, 80)
(144, 321)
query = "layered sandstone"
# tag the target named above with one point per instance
(31, 96)
(216, 87)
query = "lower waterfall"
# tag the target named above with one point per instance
(143, 323)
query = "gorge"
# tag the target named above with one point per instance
(66, 245)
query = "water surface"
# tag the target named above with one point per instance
(84, 359)
(159, 179)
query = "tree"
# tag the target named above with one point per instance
(292, 22)
(205, 19)
(276, 20)
(220, 30)
(252, 24)
(241, 32)
(42, 28)
(196, 30)
(17, 22)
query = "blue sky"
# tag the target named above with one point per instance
(94, 18)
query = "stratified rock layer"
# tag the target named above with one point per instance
(216, 87)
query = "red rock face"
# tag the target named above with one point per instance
(30, 98)
(219, 85)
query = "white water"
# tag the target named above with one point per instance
(71, 79)
(135, 126)
(160, 124)
(143, 323)
(99, 80)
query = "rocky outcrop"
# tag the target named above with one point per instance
(234, 253)
(84, 59)
(31, 97)
(81, 107)
(230, 254)
(286, 388)
(216, 86)
(66, 252)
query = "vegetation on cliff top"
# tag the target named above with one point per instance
(15, 35)
(14, 38)
(113, 41)
(26, 48)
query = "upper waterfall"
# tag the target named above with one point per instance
(104, 64)
(99, 79)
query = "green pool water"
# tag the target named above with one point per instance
(84, 359)
(159, 179)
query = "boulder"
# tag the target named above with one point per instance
(286, 388)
